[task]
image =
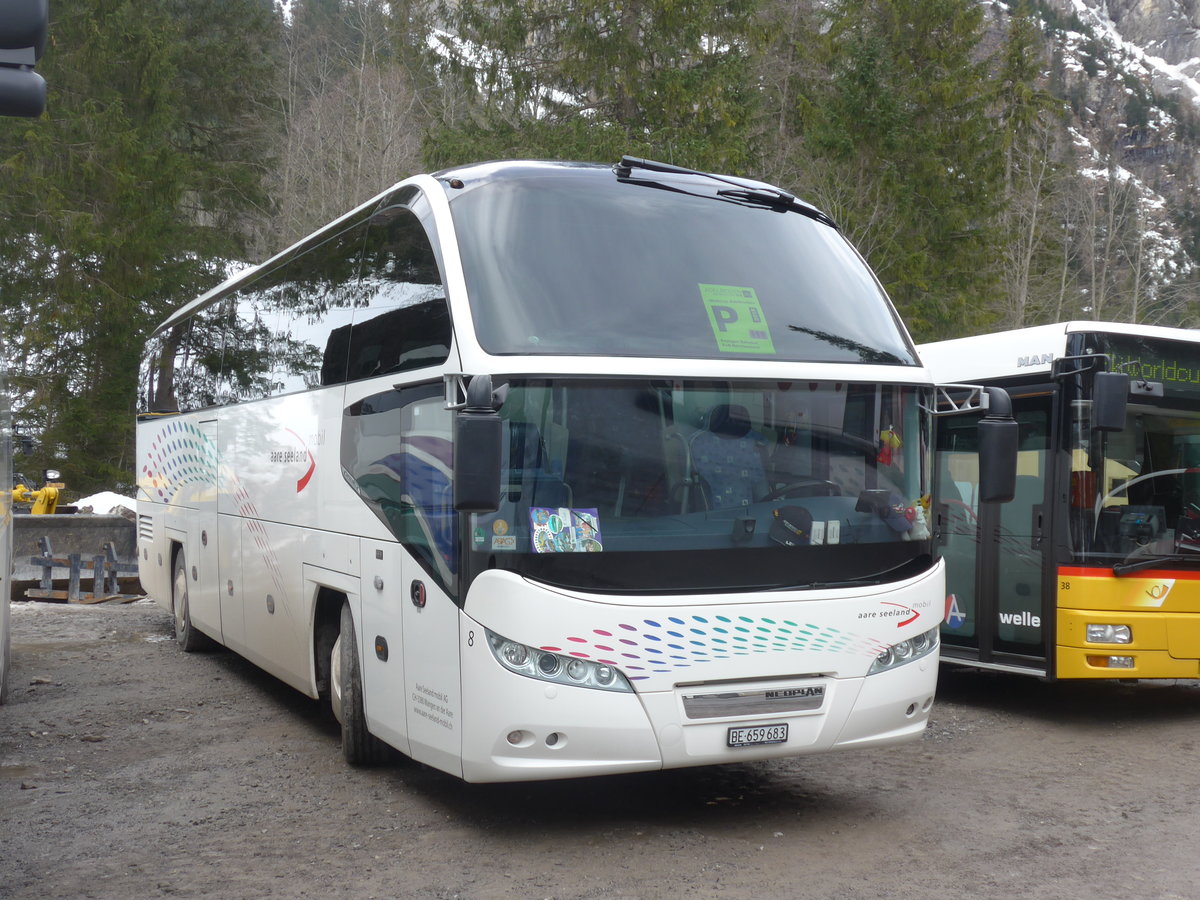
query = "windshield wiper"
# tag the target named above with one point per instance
(1151, 562)
(867, 354)
(756, 195)
(859, 581)
(772, 197)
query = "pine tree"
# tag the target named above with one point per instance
(1028, 120)
(896, 142)
(120, 203)
(592, 79)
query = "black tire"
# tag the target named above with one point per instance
(186, 634)
(359, 746)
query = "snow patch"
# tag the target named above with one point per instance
(107, 503)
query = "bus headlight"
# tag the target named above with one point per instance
(905, 652)
(515, 655)
(1109, 634)
(546, 666)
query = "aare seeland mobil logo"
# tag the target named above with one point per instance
(904, 614)
(293, 451)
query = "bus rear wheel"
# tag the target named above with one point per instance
(359, 746)
(186, 634)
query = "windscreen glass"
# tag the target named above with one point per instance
(1135, 493)
(576, 262)
(647, 486)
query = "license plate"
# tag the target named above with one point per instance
(754, 735)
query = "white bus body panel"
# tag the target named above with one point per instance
(260, 508)
(202, 546)
(1023, 351)
(579, 731)
(413, 694)
(381, 614)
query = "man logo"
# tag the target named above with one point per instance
(1038, 359)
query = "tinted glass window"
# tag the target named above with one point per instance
(573, 261)
(397, 453)
(402, 321)
(700, 486)
(182, 366)
(364, 301)
(1135, 493)
(290, 313)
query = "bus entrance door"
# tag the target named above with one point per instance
(995, 614)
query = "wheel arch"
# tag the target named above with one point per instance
(174, 549)
(327, 612)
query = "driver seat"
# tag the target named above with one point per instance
(725, 457)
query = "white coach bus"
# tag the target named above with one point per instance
(539, 470)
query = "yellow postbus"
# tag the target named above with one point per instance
(1093, 571)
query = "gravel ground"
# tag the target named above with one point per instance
(131, 769)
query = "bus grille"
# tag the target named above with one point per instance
(795, 698)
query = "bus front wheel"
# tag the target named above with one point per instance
(186, 635)
(359, 746)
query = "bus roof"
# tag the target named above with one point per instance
(468, 176)
(1024, 351)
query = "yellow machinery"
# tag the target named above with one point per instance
(44, 500)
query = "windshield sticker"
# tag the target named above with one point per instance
(564, 530)
(737, 319)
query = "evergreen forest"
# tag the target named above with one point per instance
(183, 138)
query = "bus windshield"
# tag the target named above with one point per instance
(1141, 493)
(654, 486)
(1136, 492)
(583, 265)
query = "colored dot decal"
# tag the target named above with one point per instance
(745, 635)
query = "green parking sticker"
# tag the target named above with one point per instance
(737, 319)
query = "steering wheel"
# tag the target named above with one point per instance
(809, 487)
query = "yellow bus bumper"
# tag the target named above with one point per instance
(1164, 645)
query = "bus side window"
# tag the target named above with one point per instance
(397, 453)
(306, 302)
(159, 380)
(181, 371)
(245, 343)
(402, 321)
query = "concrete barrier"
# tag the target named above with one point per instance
(81, 533)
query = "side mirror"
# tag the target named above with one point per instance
(1110, 397)
(999, 440)
(478, 434)
(24, 30)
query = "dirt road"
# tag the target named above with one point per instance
(130, 769)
